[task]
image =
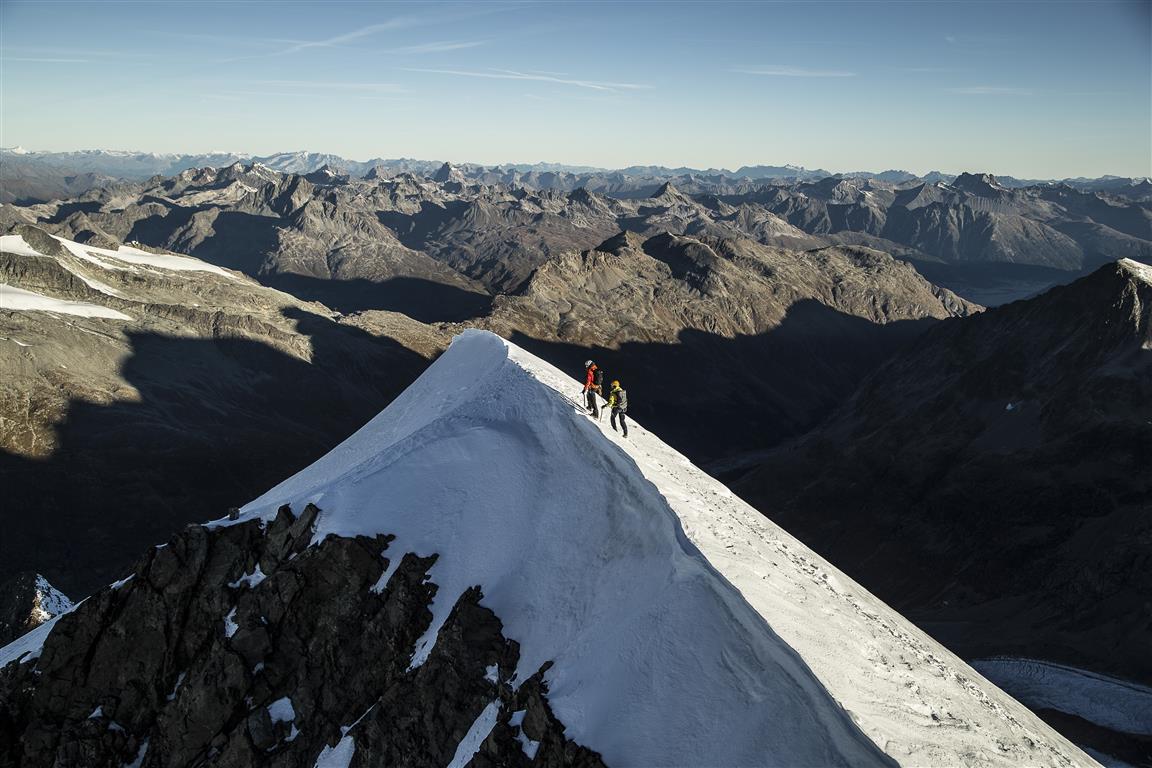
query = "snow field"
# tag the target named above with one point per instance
(105, 258)
(18, 245)
(13, 298)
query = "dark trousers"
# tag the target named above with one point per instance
(623, 420)
(593, 408)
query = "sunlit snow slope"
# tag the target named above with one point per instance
(686, 628)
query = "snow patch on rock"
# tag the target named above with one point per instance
(20, 300)
(339, 756)
(530, 747)
(249, 580)
(106, 258)
(479, 731)
(281, 711)
(230, 625)
(140, 753)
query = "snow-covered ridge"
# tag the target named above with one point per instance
(685, 628)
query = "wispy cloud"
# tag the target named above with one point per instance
(437, 47)
(991, 90)
(38, 60)
(927, 70)
(400, 22)
(339, 85)
(391, 25)
(508, 74)
(781, 70)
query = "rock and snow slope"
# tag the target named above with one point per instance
(685, 628)
(666, 622)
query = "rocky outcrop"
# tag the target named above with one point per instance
(250, 647)
(27, 600)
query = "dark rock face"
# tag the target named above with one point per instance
(244, 646)
(992, 482)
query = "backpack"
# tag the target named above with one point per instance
(622, 400)
(598, 379)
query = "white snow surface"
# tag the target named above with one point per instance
(685, 627)
(27, 647)
(470, 744)
(526, 744)
(13, 298)
(249, 580)
(49, 601)
(230, 625)
(1108, 701)
(339, 756)
(18, 245)
(281, 711)
(140, 754)
(176, 687)
(128, 257)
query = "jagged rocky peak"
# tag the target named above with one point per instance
(668, 193)
(582, 196)
(379, 172)
(327, 174)
(1136, 269)
(448, 172)
(576, 599)
(983, 184)
(622, 241)
(27, 600)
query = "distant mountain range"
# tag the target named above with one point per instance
(483, 232)
(89, 166)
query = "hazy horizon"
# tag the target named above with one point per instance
(1035, 90)
(510, 163)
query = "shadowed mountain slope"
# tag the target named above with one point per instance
(992, 480)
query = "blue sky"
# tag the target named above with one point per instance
(1029, 89)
